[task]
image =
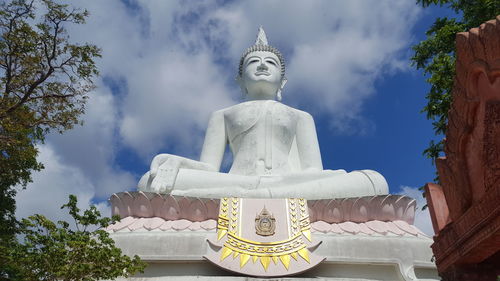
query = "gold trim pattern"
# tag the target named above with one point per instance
(233, 226)
(271, 249)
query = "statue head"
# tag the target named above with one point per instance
(262, 70)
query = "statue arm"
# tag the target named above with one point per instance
(307, 143)
(165, 167)
(211, 155)
(215, 141)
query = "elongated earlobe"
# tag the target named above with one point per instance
(244, 91)
(278, 93)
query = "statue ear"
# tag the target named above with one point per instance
(283, 82)
(239, 80)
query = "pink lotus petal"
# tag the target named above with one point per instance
(387, 211)
(117, 207)
(312, 212)
(319, 208)
(170, 209)
(195, 226)
(409, 214)
(349, 227)
(197, 211)
(138, 224)
(127, 200)
(377, 226)
(419, 231)
(153, 223)
(400, 206)
(375, 203)
(335, 228)
(208, 224)
(157, 203)
(360, 210)
(321, 226)
(167, 225)
(142, 206)
(184, 204)
(333, 212)
(347, 207)
(406, 227)
(149, 195)
(394, 229)
(212, 208)
(365, 229)
(123, 223)
(181, 224)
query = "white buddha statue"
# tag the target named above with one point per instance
(275, 147)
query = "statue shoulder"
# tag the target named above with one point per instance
(216, 117)
(229, 109)
(305, 115)
(249, 109)
(300, 114)
(242, 113)
(253, 108)
(217, 113)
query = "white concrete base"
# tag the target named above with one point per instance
(177, 255)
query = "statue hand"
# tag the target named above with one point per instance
(164, 171)
(157, 161)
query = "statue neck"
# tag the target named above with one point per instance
(260, 96)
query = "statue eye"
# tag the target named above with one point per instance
(271, 62)
(250, 61)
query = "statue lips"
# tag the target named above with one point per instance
(259, 73)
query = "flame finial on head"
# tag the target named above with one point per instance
(261, 37)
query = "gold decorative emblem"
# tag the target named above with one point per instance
(265, 223)
(289, 251)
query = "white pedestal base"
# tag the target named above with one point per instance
(177, 255)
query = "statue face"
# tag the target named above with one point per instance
(261, 75)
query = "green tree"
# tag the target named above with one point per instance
(436, 57)
(52, 251)
(44, 79)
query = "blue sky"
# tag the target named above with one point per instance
(166, 65)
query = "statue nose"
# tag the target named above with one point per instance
(262, 66)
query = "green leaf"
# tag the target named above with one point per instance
(52, 251)
(436, 57)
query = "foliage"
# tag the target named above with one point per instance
(44, 79)
(436, 56)
(52, 251)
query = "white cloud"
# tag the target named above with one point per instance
(52, 186)
(91, 148)
(422, 218)
(170, 100)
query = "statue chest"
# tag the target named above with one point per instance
(262, 120)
